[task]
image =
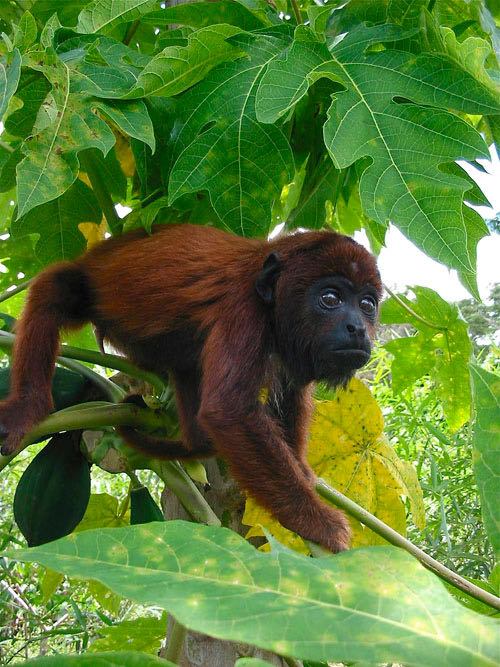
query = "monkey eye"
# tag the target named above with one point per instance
(368, 305)
(330, 299)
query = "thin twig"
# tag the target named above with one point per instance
(15, 290)
(398, 540)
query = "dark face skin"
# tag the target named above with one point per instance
(329, 335)
(344, 316)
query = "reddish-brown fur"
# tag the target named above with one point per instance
(183, 302)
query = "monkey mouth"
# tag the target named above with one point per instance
(351, 357)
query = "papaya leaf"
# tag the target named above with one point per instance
(486, 452)
(348, 449)
(57, 223)
(64, 126)
(143, 635)
(104, 15)
(407, 132)
(131, 116)
(441, 349)
(25, 32)
(33, 89)
(220, 147)
(214, 582)
(176, 68)
(9, 78)
(99, 65)
(201, 14)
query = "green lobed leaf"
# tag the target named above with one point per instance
(220, 147)
(65, 124)
(310, 211)
(9, 78)
(25, 32)
(57, 222)
(486, 444)
(99, 65)
(67, 12)
(131, 116)
(368, 605)
(176, 68)
(441, 348)
(202, 14)
(394, 110)
(142, 635)
(104, 15)
(33, 89)
(111, 659)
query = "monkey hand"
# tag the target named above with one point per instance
(322, 524)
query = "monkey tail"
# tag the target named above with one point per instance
(60, 297)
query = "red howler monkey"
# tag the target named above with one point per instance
(224, 316)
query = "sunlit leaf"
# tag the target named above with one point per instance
(367, 605)
(407, 139)
(221, 147)
(441, 348)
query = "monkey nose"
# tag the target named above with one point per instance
(358, 330)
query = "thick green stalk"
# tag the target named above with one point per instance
(179, 482)
(385, 531)
(93, 357)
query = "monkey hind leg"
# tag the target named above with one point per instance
(161, 448)
(59, 297)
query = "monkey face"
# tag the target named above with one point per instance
(329, 335)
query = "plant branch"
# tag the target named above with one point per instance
(15, 290)
(296, 11)
(7, 147)
(179, 482)
(385, 531)
(93, 357)
(100, 189)
(112, 391)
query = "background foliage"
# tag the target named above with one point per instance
(245, 115)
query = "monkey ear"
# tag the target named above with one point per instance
(267, 277)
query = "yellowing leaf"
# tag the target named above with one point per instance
(124, 154)
(349, 450)
(93, 233)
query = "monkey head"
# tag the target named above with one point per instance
(323, 296)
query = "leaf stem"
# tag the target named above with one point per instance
(410, 310)
(7, 147)
(179, 482)
(93, 357)
(296, 11)
(131, 30)
(389, 534)
(88, 164)
(112, 391)
(15, 290)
